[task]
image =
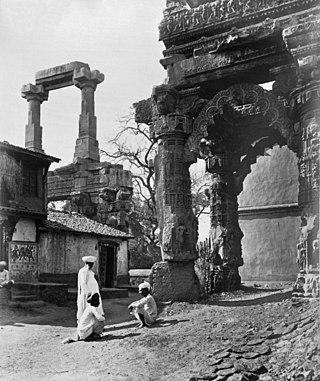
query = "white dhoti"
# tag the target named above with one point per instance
(87, 285)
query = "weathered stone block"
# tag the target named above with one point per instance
(174, 281)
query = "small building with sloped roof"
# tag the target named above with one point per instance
(66, 237)
(23, 207)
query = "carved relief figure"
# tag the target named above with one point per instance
(301, 255)
(231, 6)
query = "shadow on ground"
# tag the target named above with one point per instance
(273, 298)
(41, 313)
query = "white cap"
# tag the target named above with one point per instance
(144, 285)
(89, 258)
(3, 263)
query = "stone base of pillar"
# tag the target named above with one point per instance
(86, 148)
(174, 281)
(224, 279)
(307, 285)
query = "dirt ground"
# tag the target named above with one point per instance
(255, 333)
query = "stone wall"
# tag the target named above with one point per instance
(138, 276)
(99, 190)
(61, 253)
(273, 180)
(269, 246)
(269, 217)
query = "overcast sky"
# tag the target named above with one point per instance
(119, 38)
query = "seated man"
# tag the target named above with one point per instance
(91, 322)
(145, 309)
(5, 282)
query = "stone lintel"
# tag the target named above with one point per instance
(59, 76)
(255, 70)
(166, 61)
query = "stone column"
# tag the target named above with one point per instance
(35, 95)
(225, 233)
(174, 278)
(301, 40)
(87, 144)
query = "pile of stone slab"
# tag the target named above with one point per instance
(288, 350)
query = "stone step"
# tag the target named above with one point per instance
(24, 298)
(15, 292)
(129, 287)
(106, 293)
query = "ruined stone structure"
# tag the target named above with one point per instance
(99, 190)
(212, 106)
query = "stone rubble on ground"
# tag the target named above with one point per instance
(287, 351)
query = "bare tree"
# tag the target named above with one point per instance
(199, 183)
(132, 146)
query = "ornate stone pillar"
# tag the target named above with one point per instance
(225, 233)
(35, 95)
(302, 42)
(87, 144)
(173, 279)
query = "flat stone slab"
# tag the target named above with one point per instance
(226, 372)
(222, 355)
(250, 355)
(59, 76)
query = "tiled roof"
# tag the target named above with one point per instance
(78, 223)
(6, 146)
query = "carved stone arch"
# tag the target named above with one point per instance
(244, 99)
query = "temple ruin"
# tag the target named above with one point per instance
(99, 190)
(212, 106)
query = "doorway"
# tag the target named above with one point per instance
(107, 265)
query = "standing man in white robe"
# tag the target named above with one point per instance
(87, 285)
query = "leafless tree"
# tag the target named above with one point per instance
(133, 147)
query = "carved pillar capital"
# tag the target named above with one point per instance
(32, 92)
(86, 78)
(285, 80)
(165, 98)
(305, 99)
(174, 124)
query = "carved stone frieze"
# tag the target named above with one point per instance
(204, 63)
(166, 99)
(143, 111)
(171, 123)
(182, 19)
(285, 80)
(245, 99)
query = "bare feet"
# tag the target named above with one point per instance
(140, 325)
